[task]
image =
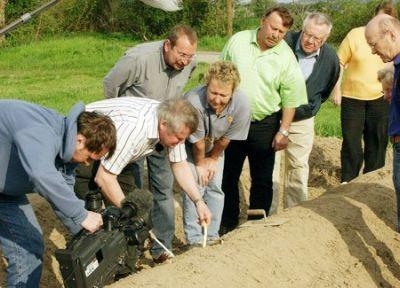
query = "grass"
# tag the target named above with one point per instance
(59, 72)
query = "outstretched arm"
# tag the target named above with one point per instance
(185, 179)
(109, 186)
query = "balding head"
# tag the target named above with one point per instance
(383, 36)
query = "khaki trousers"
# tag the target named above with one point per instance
(296, 167)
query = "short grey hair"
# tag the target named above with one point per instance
(178, 113)
(319, 19)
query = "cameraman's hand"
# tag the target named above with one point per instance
(203, 212)
(92, 222)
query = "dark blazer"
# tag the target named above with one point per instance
(322, 80)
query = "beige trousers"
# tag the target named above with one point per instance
(295, 166)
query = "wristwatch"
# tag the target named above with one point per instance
(284, 132)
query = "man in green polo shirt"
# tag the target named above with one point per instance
(273, 81)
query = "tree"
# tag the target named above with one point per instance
(3, 4)
(229, 16)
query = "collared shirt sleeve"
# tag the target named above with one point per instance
(177, 154)
(225, 55)
(240, 119)
(121, 76)
(344, 50)
(292, 89)
(196, 97)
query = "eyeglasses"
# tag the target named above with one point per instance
(311, 37)
(185, 56)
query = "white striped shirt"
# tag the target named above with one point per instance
(137, 130)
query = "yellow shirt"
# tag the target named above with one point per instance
(360, 79)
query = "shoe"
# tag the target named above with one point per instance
(344, 182)
(210, 242)
(162, 258)
(213, 242)
(122, 273)
(138, 266)
(226, 229)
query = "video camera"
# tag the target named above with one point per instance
(94, 260)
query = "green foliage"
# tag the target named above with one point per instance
(344, 14)
(16, 8)
(212, 43)
(260, 6)
(58, 72)
(142, 22)
(327, 121)
(197, 78)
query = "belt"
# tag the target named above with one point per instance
(265, 119)
(395, 139)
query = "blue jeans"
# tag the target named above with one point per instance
(21, 242)
(396, 179)
(160, 183)
(213, 196)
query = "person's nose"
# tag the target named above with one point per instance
(185, 61)
(276, 34)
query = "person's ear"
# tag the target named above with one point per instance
(80, 141)
(167, 45)
(262, 20)
(163, 125)
(390, 33)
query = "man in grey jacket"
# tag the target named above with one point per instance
(159, 71)
(39, 150)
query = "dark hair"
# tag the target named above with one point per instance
(99, 131)
(387, 8)
(284, 13)
(182, 30)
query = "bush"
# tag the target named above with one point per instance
(142, 22)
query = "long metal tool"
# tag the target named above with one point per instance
(26, 17)
(161, 244)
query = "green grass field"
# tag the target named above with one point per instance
(59, 72)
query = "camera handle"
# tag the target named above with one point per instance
(26, 17)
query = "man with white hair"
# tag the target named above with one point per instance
(383, 36)
(320, 67)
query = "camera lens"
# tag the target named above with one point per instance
(94, 201)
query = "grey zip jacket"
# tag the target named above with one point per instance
(36, 147)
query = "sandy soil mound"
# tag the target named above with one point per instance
(344, 238)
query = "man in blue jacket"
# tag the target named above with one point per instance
(39, 150)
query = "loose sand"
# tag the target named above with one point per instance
(343, 237)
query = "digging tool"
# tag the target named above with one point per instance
(265, 222)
